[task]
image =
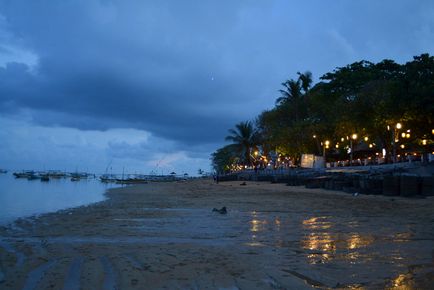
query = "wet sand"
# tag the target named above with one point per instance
(165, 236)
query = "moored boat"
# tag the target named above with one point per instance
(24, 174)
(33, 177)
(108, 178)
(131, 181)
(45, 178)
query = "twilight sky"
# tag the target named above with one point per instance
(155, 85)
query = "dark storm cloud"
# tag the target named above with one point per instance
(187, 70)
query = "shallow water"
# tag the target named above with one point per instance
(22, 197)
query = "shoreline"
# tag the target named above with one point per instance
(165, 235)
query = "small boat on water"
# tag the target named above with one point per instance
(81, 175)
(107, 178)
(45, 178)
(131, 181)
(24, 174)
(75, 178)
(33, 177)
(3, 171)
(55, 174)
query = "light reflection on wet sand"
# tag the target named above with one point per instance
(325, 242)
(347, 244)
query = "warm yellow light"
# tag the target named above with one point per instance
(337, 145)
(354, 136)
(388, 128)
(424, 142)
(402, 146)
(407, 135)
(398, 125)
(366, 138)
(256, 153)
(342, 139)
(403, 135)
(432, 131)
(314, 136)
(370, 146)
(327, 142)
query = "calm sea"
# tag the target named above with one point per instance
(22, 197)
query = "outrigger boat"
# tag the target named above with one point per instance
(24, 174)
(108, 178)
(131, 181)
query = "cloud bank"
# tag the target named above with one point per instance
(180, 72)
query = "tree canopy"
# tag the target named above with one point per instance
(363, 97)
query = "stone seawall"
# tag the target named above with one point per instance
(390, 182)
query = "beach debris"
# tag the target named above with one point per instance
(223, 210)
(244, 183)
(355, 194)
(44, 243)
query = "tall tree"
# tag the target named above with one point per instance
(244, 139)
(291, 92)
(223, 158)
(306, 80)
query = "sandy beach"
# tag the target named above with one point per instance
(166, 236)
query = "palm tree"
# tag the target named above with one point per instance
(244, 139)
(291, 93)
(306, 80)
(296, 92)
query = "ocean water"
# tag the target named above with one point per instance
(22, 197)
